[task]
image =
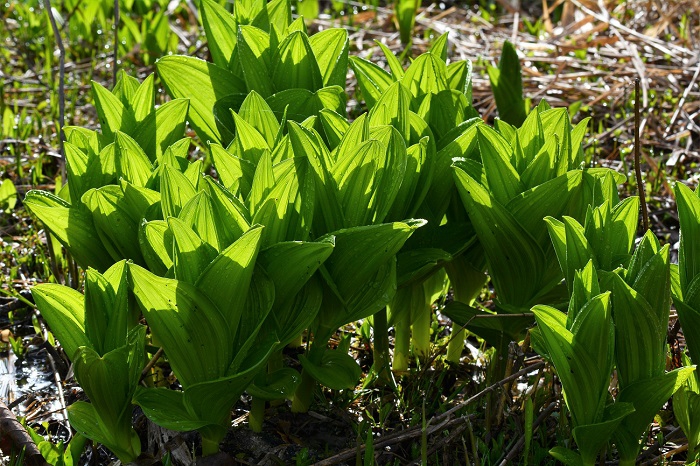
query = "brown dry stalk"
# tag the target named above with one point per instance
(12, 430)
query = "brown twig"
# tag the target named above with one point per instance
(637, 165)
(151, 363)
(116, 42)
(61, 83)
(435, 424)
(12, 430)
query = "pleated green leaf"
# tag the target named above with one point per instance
(115, 227)
(334, 127)
(255, 55)
(232, 215)
(141, 102)
(199, 214)
(176, 190)
(111, 112)
(371, 79)
(393, 109)
(227, 278)
(131, 162)
(640, 337)
(689, 251)
(255, 111)
(496, 155)
(329, 214)
(359, 272)
(191, 255)
(156, 242)
(192, 330)
(167, 408)
(287, 209)
(72, 226)
(252, 12)
(291, 264)
(397, 70)
(234, 173)
(294, 65)
(592, 438)
(84, 419)
(300, 104)
(277, 385)
(511, 251)
(201, 82)
(507, 85)
(426, 75)
(221, 29)
(64, 310)
(337, 370)
(459, 77)
(648, 396)
(330, 47)
(162, 128)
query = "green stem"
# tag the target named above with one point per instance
(467, 282)
(402, 344)
(456, 344)
(298, 342)
(303, 396)
(421, 332)
(210, 446)
(381, 348)
(257, 414)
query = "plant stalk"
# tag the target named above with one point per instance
(402, 345)
(381, 348)
(421, 332)
(256, 416)
(637, 164)
(303, 396)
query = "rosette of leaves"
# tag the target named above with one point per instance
(606, 237)
(357, 184)
(280, 197)
(102, 338)
(113, 177)
(640, 307)
(440, 94)
(641, 299)
(686, 402)
(207, 320)
(258, 48)
(512, 179)
(581, 347)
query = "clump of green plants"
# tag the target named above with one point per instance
(301, 221)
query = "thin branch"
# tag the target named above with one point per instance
(637, 165)
(12, 429)
(61, 83)
(436, 424)
(116, 42)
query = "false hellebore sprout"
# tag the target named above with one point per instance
(640, 298)
(581, 349)
(208, 322)
(258, 48)
(510, 180)
(438, 96)
(686, 402)
(112, 176)
(100, 335)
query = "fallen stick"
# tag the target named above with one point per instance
(11, 430)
